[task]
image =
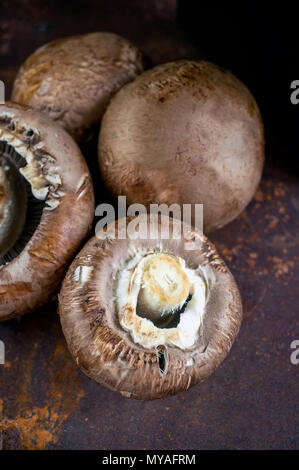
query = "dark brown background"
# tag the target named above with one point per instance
(251, 401)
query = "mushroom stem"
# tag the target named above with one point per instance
(165, 287)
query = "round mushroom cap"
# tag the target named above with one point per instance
(185, 132)
(107, 352)
(72, 79)
(59, 183)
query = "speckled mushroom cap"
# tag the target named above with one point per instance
(58, 175)
(184, 132)
(107, 353)
(72, 79)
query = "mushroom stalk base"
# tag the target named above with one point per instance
(164, 287)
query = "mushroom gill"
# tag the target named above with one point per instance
(20, 210)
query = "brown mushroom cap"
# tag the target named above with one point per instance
(72, 79)
(57, 173)
(184, 132)
(108, 354)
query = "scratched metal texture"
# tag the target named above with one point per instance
(251, 400)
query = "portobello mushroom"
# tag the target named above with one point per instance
(46, 207)
(147, 317)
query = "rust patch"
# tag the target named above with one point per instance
(40, 426)
(280, 266)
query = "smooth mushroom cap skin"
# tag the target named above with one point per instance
(185, 132)
(107, 353)
(72, 79)
(56, 165)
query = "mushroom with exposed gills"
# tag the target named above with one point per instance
(147, 317)
(46, 207)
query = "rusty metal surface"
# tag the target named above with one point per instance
(250, 402)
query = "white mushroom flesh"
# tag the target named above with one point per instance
(158, 284)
